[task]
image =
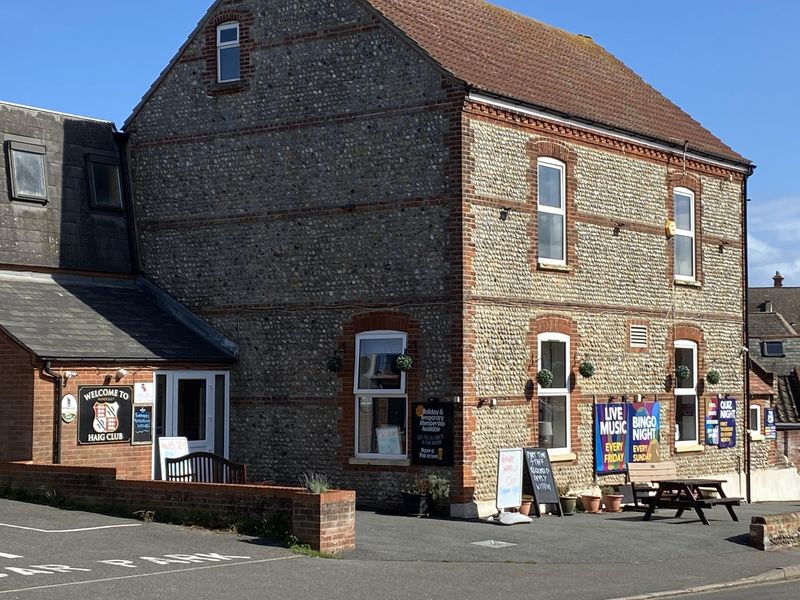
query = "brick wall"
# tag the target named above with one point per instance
(324, 521)
(16, 391)
(774, 532)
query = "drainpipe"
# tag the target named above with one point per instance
(746, 352)
(58, 385)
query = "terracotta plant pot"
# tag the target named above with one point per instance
(613, 502)
(591, 504)
(525, 507)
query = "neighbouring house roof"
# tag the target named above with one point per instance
(103, 319)
(758, 386)
(763, 324)
(787, 400)
(503, 53)
(785, 301)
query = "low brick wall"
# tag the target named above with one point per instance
(774, 532)
(326, 522)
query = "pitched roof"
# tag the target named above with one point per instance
(80, 318)
(787, 401)
(501, 52)
(785, 300)
(764, 324)
(758, 386)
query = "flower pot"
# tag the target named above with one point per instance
(415, 504)
(591, 504)
(568, 504)
(613, 502)
(525, 507)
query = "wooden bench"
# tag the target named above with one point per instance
(641, 476)
(204, 467)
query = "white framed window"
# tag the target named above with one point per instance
(683, 200)
(228, 52)
(554, 420)
(552, 214)
(381, 401)
(755, 419)
(28, 171)
(686, 409)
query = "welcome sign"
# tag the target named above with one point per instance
(104, 414)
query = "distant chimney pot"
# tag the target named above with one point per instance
(778, 279)
(768, 306)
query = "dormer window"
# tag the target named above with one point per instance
(28, 171)
(105, 187)
(772, 348)
(228, 55)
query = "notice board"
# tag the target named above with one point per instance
(432, 434)
(142, 425)
(539, 479)
(104, 414)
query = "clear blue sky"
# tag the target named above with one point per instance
(731, 64)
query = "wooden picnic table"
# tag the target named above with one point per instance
(683, 494)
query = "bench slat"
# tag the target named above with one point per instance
(204, 467)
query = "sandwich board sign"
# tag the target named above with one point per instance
(509, 478)
(171, 447)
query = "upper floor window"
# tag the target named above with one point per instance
(772, 348)
(381, 400)
(105, 186)
(552, 214)
(684, 234)
(28, 171)
(554, 399)
(686, 406)
(228, 52)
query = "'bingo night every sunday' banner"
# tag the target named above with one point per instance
(626, 433)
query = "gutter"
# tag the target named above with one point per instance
(787, 426)
(58, 387)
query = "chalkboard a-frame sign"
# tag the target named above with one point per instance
(539, 480)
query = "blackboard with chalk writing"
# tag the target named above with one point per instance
(539, 479)
(142, 424)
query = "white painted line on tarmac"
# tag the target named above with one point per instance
(5, 555)
(171, 572)
(69, 530)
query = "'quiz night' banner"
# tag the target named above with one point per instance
(626, 433)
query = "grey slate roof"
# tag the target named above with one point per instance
(78, 317)
(785, 300)
(763, 324)
(787, 403)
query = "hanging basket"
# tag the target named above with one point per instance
(544, 378)
(404, 362)
(586, 369)
(682, 372)
(713, 377)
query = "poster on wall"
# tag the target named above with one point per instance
(644, 432)
(712, 421)
(104, 414)
(432, 434)
(770, 431)
(611, 437)
(727, 422)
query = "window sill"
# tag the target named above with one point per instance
(26, 200)
(561, 456)
(543, 266)
(687, 283)
(757, 437)
(690, 448)
(230, 87)
(381, 462)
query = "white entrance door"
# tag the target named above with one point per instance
(191, 412)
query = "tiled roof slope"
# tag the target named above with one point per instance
(498, 51)
(763, 324)
(787, 405)
(785, 300)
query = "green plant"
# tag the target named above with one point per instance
(315, 483)
(586, 369)
(608, 490)
(404, 362)
(334, 362)
(544, 378)
(438, 487)
(713, 377)
(565, 490)
(420, 486)
(682, 372)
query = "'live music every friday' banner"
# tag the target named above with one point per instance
(626, 433)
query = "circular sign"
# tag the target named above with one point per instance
(69, 408)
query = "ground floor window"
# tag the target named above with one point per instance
(554, 397)
(380, 395)
(755, 418)
(686, 409)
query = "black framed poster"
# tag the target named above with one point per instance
(104, 414)
(432, 434)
